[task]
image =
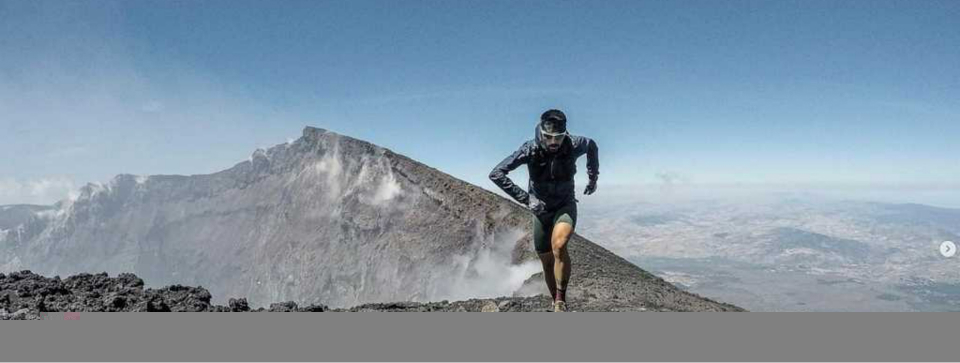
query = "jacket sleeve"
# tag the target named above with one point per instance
(586, 145)
(500, 178)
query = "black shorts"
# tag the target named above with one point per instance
(544, 222)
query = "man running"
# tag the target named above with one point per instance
(551, 159)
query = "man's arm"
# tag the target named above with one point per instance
(500, 178)
(585, 145)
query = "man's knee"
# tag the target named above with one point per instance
(559, 250)
(560, 237)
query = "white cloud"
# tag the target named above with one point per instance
(387, 190)
(37, 191)
(331, 166)
(487, 271)
(489, 274)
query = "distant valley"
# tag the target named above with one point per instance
(791, 254)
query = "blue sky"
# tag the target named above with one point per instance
(819, 93)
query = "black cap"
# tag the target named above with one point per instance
(553, 114)
(554, 120)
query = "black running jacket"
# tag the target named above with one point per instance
(551, 175)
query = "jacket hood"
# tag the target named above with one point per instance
(537, 136)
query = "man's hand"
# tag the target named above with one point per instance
(536, 205)
(591, 188)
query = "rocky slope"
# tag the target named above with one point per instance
(26, 295)
(323, 220)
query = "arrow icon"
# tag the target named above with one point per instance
(948, 249)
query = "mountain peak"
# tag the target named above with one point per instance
(322, 139)
(310, 132)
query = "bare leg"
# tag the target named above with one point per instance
(561, 267)
(547, 260)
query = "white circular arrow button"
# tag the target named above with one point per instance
(948, 249)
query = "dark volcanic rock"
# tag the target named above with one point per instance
(27, 295)
(239, 305)
(96, 292)
(284, 306)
